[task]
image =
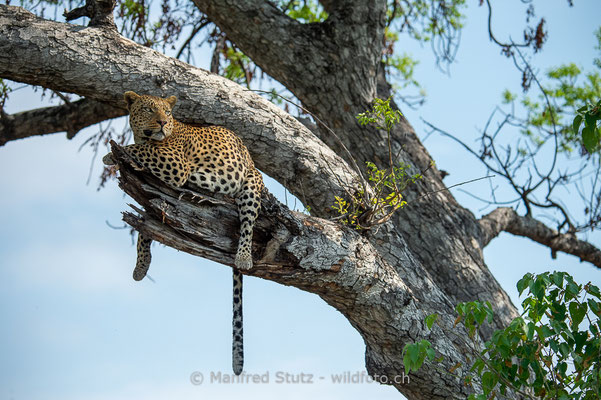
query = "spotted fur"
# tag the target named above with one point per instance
(237, 326)
(211, 158)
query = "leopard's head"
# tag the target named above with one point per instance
(149, 116)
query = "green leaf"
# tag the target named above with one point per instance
(576, 124)
(546, 332)
(577, 312)
(580, 339)
(589, 138)
(411, 351)
(564, 349)
(530, 331)
(572, 290)
(595, 307)
(489, 381)
(553, 345)
(594, 290)
(508, 97)
(561, 369)
(538, 288)
(407, 363)
(589, 119)
(430, 319)
(524, 283)
(557, 278)
(431, 354)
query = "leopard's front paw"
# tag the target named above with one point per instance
(243, 261)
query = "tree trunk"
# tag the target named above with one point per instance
(385, 281)
(334, 69)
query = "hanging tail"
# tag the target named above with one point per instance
(238, 338)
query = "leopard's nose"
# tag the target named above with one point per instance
(162, 123)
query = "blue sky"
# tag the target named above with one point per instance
(77, 326)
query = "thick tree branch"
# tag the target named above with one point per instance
(508, 220)
(266, 34)
(70, 118)
(102, 65)
(385, 303)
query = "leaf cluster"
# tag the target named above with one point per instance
(238, 67)
(363, 212)
(552, 351)
(381, 115)
(558, 109)
(591, 133)
(364, 208)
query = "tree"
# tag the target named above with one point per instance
(424, 260)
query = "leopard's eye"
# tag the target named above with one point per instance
(148, 109)
(167, 112)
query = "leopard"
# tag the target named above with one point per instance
(211, 158)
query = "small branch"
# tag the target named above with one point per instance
(100, 13)
(203, 23)
(70, 118)
(506, 219)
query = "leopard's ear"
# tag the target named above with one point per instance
(130, 97)
(171, 100)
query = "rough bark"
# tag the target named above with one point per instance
(424, 260)
(70, 118)
(506, 219)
